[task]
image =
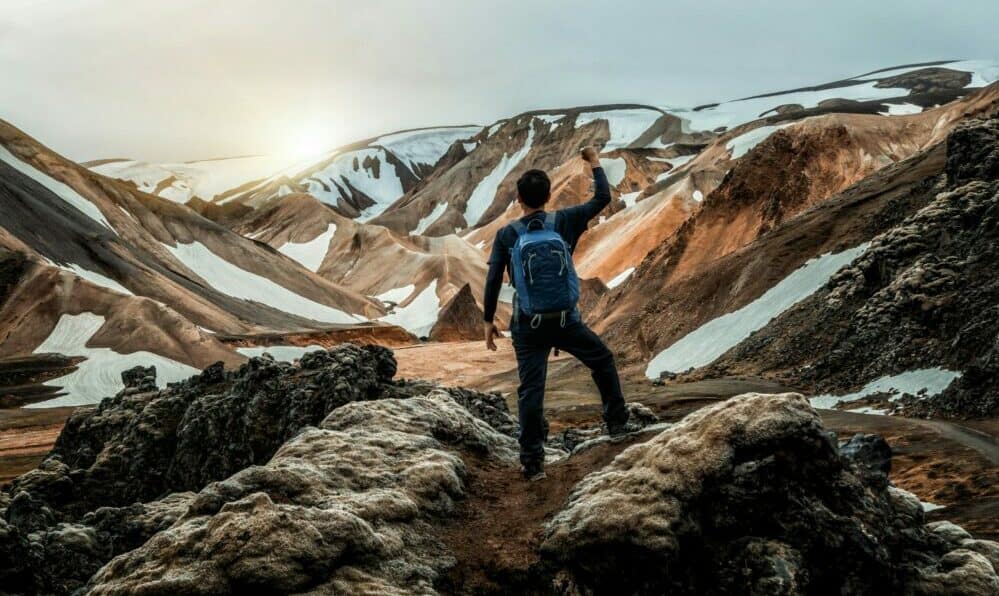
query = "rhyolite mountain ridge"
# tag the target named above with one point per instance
(837, 240)
(377, 240)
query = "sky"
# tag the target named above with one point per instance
(175, 80)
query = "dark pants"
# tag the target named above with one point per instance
(533, 347)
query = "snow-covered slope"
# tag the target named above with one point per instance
(180, 182)
(363, 179)
(99, 375)
(714, 338)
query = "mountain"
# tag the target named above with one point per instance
(104, 271)
(716, 284)
(216, 257)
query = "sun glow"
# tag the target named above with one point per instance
(306, 142)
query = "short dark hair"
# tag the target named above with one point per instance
(534, 188)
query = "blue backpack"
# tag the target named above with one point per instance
(543, 274)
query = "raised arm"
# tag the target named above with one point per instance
(580, 215)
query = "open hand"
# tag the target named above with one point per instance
(491, 333)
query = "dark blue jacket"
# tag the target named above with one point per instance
(570, 223)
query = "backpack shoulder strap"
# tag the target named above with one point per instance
(550, 220)
(519, 227)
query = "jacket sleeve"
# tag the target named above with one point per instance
(494, 278)
(580, 215)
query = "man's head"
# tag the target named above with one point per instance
(533, 189)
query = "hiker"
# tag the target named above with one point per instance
(536, 250)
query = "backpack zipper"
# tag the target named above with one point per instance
(562, 264)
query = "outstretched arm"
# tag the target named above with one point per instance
(580, 215)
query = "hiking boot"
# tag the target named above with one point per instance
(534, 472)
(623, 428)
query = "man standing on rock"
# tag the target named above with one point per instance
(537, 252)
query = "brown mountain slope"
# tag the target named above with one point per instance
(790, 171)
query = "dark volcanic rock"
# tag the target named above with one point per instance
(752, 496)
(789, 108)
(139, 446)
(326, 476)
(139, 378)
(870, 456)
(340, 509)
(121, 471)
(928, 80)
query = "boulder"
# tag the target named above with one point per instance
(339, 509)
(751, 496)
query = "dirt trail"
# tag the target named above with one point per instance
(979, 441)
(496, 531)
(941, 462)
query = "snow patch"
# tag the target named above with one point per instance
(705, 344)
(98, 376)
(698, 196)
(620, 278)
(59, 189)
(96, 278)
(205, 179)
(425, 147)
(396, 295)
(983, 72)
(485, 192)
(733, 113)
(310, 254)
(743, 143)
(931, 381)
(615, 169)
(419, 316)
(550, 118)
(629, 198)
(901, 109)
(680, 160)
(383, 189)
(625, 125)
(240, 283)
(426, 222)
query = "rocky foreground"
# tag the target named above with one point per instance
(328, 476)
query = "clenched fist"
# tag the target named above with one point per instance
(590, 156)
